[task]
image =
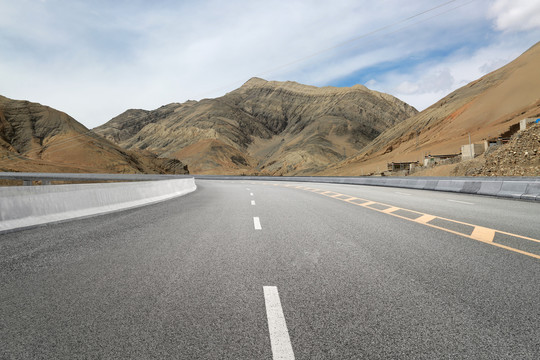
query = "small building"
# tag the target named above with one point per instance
(432, 160)
(490, 142)
(402, 166)
(523, 124)
(470, 151)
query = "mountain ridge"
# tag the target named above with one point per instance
(38, 138)
(268, 127)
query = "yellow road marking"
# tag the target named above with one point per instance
(390, 210)
(424, 219)
(522, 237)
(483, 234)
(367, 203)
(330, 192)
(480, 233)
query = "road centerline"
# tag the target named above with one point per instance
(277, 327)
(472, 231)
(257, 223)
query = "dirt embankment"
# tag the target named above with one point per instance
(519, 157)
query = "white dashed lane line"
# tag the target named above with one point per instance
(279, 335)
(257, 223)
(402, 193)
(251, 194)
(252, 202)
(460, 202)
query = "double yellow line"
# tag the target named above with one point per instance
(475, 232)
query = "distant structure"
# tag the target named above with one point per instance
(470, 151)
(523, 124)
(432, 160)
(491, 142)
(402, 166)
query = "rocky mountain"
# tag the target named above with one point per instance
(37, 138)
(484, 108)
(265, 127)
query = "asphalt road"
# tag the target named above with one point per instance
(243, 270)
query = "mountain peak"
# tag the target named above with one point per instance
(255, 81)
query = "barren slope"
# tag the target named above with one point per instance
(38, 138)
(262, 127)
(484, 108)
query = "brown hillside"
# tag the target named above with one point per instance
(264, 127)
(484, 108)
(38, 138)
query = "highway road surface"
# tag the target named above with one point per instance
(262, 270)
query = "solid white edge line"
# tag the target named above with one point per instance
(277, 327)
(252, 202)
(257, 223)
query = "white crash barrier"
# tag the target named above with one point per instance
(24, 206)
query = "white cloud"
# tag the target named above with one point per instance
(96, 59)
(431, 81)
(515, 15)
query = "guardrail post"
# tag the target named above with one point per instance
(27, 182)
(45, 182)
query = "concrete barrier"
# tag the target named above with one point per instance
(527, 188)
(431, 184)
(24, 207)
(449, 185)
(512, 189)
(471, 187)
(532, 192)
(490, 187)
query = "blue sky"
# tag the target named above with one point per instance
(96, 59)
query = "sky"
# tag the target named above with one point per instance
(94, 59)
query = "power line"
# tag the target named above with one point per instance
(355, 39)
(347, 42)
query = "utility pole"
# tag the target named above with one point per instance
(470, 148)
